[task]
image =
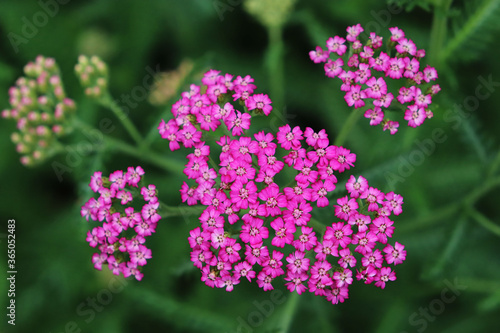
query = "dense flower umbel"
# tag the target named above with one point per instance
(364, 69)
(41, 110)
(121, 237)
(254, 228)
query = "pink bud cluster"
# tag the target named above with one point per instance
(123, 233)
(41, 110)
(252, 226)
(364, 69)
(93, 75)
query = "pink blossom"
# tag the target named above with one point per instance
(273, 200)
(243, 269)
(316, 140)
(237, 123)
(319, 55)
(297, 213)
(380, 63)
(392, 126)
(336, 44)
(339, 233)
(395, 254)
(325, 249)
(346, 258)
(395, 69)
(382, 227)
(306, 241)
(229, 250)
(374, 258)
(406, 46)
(289, 138)
(375, 115)
(342, 160)
(360, 220)
(272, 266)
(354, 97)
(333, 68)
(346, 207)
(337, 295)
(430, 74)
(384, 275)
(363, 73)
(254, 232)
(259, 102)
(415, 115)
(377, 87)
(284, 232)
(397, 34)
(395, 201)
(243, 194)
(356, 186)
(264, 281)
(297, 262)
(319, 191)
(353, 32)
(296, 281)
(343, 277)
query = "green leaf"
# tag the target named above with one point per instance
(476, 29)
(180, 314)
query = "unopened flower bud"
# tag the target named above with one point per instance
(40, 108)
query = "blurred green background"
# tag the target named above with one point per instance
(450, 224)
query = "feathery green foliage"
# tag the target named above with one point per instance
(474, 30)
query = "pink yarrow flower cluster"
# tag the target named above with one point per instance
(364, 68)
(205, 108)
(122, 235)
(254, 229)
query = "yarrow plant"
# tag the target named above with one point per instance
(41, 110)
(365, 70)
(261, 197)
(251, 225)
(121, 237)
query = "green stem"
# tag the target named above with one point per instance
(484, 221)
(467, 202)
(275, 64)
(488, 185)
(107, 101)
(453, 244)
(110, 143)
(494, 165)
(439, 30)
(161, 161)
(171, 211)
(422, 222)
(346, 128)
(480, 286)
(289, 313)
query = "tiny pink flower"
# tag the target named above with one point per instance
(319, 55)
(354, 97)
(395, 254)
(260, 102)
(384, 275)
(336, 44)
(392, 126)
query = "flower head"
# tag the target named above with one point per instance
(365, 74)
(41, 110)
(124, 254)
